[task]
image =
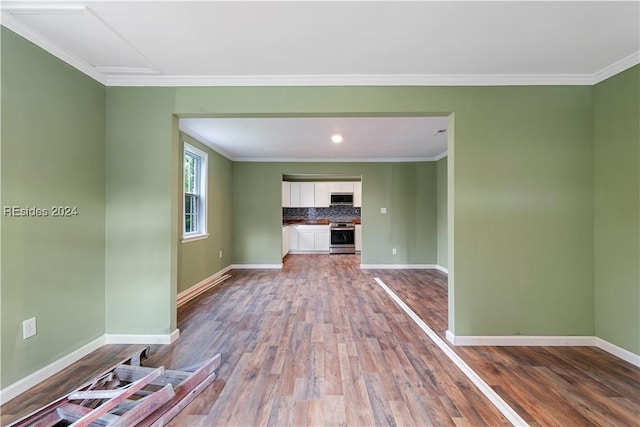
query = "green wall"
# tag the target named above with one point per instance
(441, 172)
(142, 211)
(522, 206)
(520, 201)
(53, 145)
(200, 259)
(617, 212)
(407, 190)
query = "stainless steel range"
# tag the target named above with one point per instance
(343, 238)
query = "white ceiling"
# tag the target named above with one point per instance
(199, 43)
(334, 42)
(309, 138)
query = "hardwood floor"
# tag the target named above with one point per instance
(320, 343)
(562, 386)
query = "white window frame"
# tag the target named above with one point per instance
(202, 195)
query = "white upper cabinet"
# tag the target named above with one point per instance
(294, 201)
(322, 195)
(307, 195)
(334, 187)
(357, 194)
(346, 187)
(318, 194)
(286, 194)
(341, 187)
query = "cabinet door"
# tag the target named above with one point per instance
(322, 198)
(357, 194)
(334, 187)
(322, 240)
(295, 195)
(358, 236)
(286, 194)
(285, 241)
(306, 240)
(346, 187)
(307, 194)
(293, 239)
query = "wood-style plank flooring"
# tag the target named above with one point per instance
(563, 386)
(320, 343)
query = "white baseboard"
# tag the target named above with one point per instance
(399, 267)
(256, 266)
(142, 338)
(308, 253)
(520, 340)
(202, 286)
(547, 341)
(441, 268)
(620, 352)
(42, 374)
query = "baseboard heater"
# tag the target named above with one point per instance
(199, 289)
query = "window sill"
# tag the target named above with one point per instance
(194, 238)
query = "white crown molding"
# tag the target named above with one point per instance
(202, 140)
(442, 155)
(9, 21)
(357, 80)
(617, 67)
(334, 159)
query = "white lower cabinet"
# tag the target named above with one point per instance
(358, 236)
(309, 238)
(322, 240)
(286, 241)
(306, 239)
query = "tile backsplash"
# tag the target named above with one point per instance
(333, 213)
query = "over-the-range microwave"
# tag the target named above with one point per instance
(341, 199)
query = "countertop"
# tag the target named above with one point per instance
(313, 222)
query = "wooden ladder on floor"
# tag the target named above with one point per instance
(127, 394)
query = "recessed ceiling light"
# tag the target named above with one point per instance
(337, 139)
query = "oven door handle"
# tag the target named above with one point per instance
(343, 228)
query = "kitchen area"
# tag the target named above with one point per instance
(321, 215)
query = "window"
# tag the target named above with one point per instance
(195, 193)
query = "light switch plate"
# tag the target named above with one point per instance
(383, 210)
(28, 328)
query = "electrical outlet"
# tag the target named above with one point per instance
(383, 210)
(394, 251)
(28, 328)
(220, 253)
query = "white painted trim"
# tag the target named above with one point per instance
(617, 67)
(195, 238)
(202, 286)
(308, 252)
(442, 155)
(398, 267)
(42, 374)
(335, 159)
(142, 338)
(504, 408)
(521, 340)
(15, 25)
(357, 80)
(620, 352)
(202, 140)
(442, 269)
(256, 266)
(203, 190)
